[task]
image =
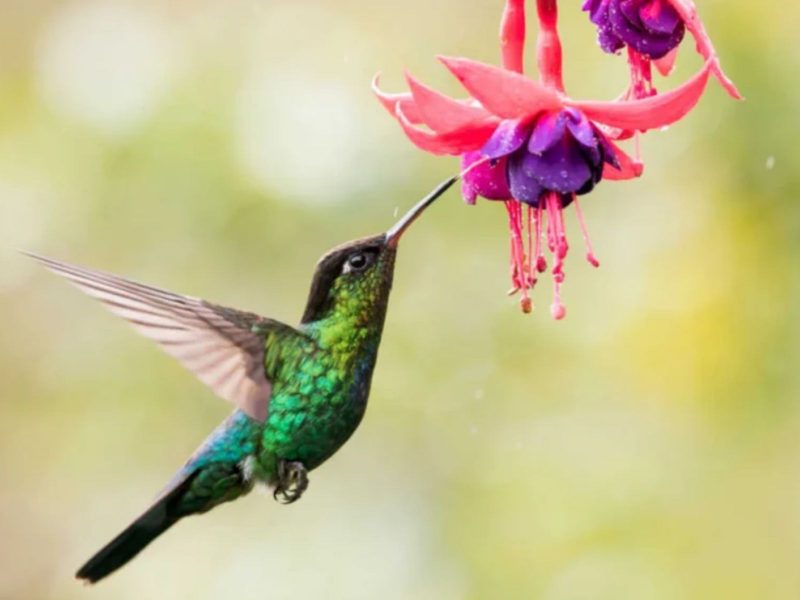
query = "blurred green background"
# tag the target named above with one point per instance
(646, 448)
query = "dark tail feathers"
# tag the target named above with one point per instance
(155, 521)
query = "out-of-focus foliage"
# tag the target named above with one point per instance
(646, 448)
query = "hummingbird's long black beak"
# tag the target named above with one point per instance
(397, 230)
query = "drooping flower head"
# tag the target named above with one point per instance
(528, 144)
(651, 27)
(651, 30)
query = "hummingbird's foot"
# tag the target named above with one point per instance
(292, 481)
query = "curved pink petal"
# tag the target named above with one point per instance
(507, 94)
(653, 112)
(391, 101)
(512, 35)
(629, 168)
(688, 12)
(452, 142)
(666, 63)
(442, 113)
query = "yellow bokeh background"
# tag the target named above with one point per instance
(645, 448)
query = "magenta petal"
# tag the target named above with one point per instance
(510, 135)
(549, 129)
(659, 16)
(487, 180)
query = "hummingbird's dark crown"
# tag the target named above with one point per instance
(345, 259)
(362, 269)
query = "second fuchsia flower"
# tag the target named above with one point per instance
(528, 144)
(652, 30)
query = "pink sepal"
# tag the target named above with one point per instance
(666, 64)
(454, 142)
(442, 113)
(504, 93)
(629, 168)
(391, 101)
(653, 112)
(688, 12)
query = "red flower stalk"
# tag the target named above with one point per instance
(527, 142)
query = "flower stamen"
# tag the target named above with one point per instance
(519, 277)
(557, 241)
(585, 231)
(541, 261)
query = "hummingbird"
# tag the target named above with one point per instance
(299, 392)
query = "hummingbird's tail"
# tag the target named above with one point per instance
(156, 520)
(217, 472)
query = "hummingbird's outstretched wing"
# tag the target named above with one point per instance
(223, 347)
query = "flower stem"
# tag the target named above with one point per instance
(512, 35)
(549, 45)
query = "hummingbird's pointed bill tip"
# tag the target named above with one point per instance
(397, 230)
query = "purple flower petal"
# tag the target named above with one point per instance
(659, 17)
(487, 180)
(509, 136)
(548, 130)
(580, 128)
(563, 168)
(634, 34)
(609, 41)
(630, 10)
(524, 185)
(609, 154)
(598, 11)
(594, 158)
(590, 5)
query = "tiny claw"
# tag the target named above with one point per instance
(292, 482)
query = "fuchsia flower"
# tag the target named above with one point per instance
(652, 31)
(528, 144)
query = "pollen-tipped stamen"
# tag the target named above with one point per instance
(531, 228)
(519, 278)
(541, 261)
(557, 241)
(585, 232)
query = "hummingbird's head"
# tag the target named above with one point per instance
(355, 278)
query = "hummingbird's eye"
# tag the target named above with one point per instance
(357, 262)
